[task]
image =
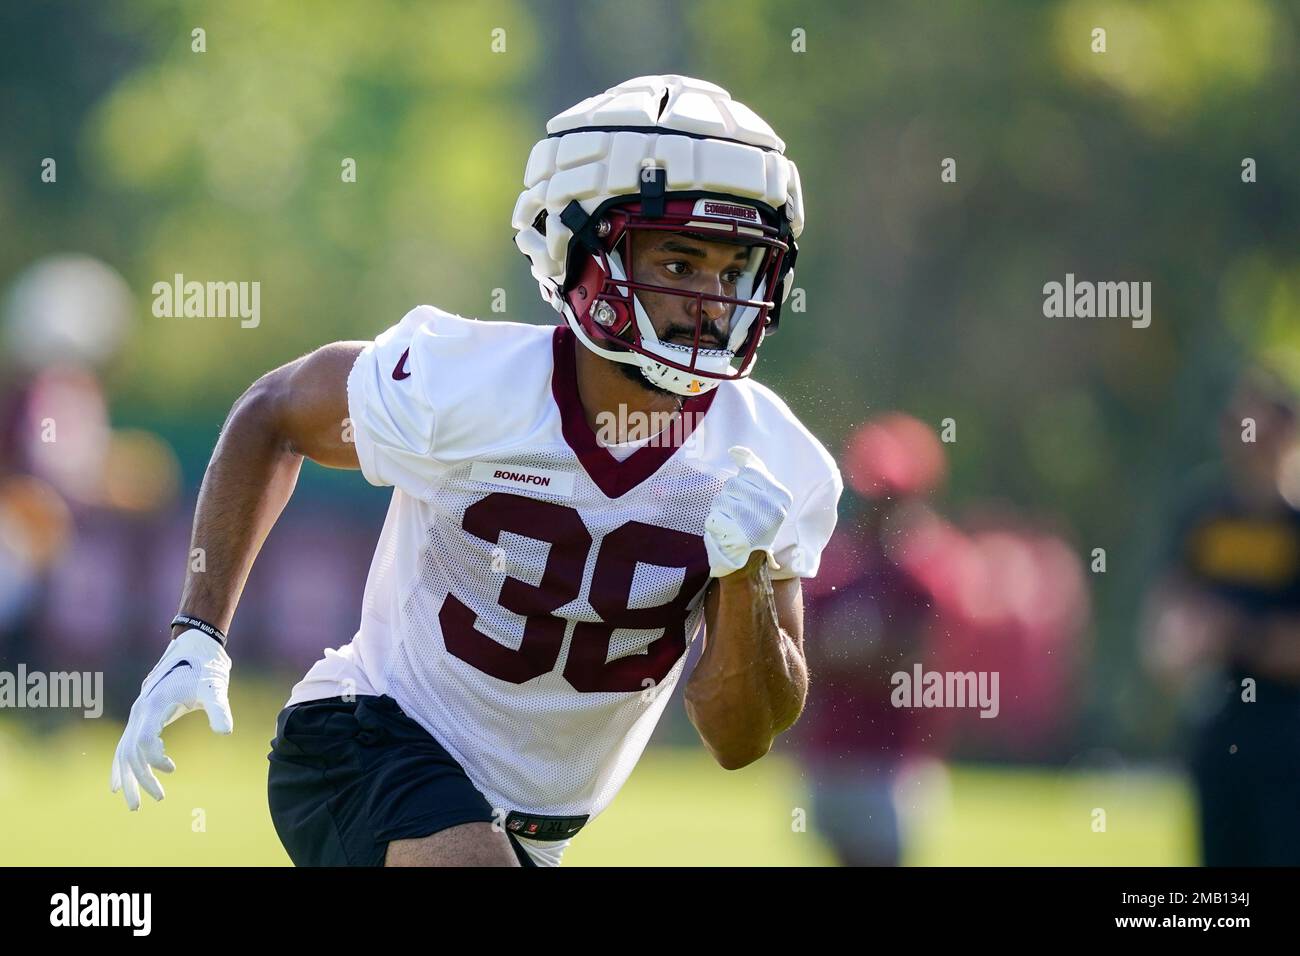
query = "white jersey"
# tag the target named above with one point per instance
(533, 594)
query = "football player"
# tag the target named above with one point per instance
(541, 572)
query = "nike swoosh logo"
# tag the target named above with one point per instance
(400, 372)
(164, 676)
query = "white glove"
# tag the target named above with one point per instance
(746, 515)
(194, 672)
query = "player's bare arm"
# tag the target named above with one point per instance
(751, 680)
(298, 410)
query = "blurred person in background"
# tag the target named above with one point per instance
(61, 317)
(71, 487)
(1223, 627)
(867, 616)
(1011, 599)
(904, 585)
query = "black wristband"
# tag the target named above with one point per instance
(201, 625)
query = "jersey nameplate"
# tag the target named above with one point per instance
(529, 479)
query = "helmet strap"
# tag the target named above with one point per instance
(580, 224)
(652, 191)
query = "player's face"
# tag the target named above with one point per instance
(694, 265)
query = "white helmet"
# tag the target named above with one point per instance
(666, 153)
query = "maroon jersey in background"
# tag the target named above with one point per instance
(866, 617)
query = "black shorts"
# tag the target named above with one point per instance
(347, 777)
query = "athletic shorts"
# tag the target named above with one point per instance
(347, 777)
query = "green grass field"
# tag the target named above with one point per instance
(57, 810)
